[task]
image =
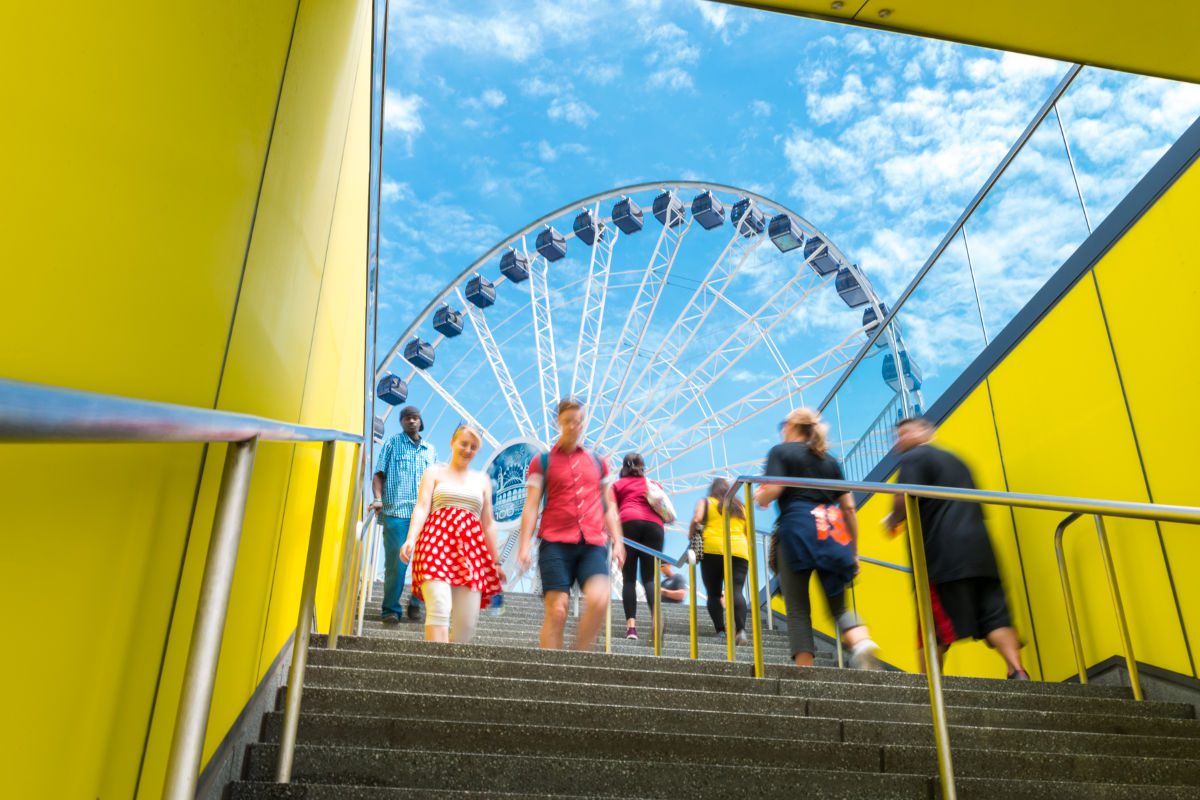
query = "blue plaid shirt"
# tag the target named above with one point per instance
(402, 464)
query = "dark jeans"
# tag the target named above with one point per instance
(712, 571)
(651, 535)
(799, 611)
(395, 531)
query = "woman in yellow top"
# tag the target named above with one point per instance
(711, 516)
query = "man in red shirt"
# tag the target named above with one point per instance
(579, 507)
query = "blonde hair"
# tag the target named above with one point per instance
(809, 423)
(465, 427)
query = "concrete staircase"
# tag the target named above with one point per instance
(390, 716)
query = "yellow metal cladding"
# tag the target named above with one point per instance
(1151, 38)
(185, 208)
(1055, 409)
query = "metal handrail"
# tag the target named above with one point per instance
(1135, 681)
(34, 412)
(656, 604)
(38, 413)
(916, 539)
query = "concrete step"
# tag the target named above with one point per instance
(481, 678)
(573, 776)
(264, 790)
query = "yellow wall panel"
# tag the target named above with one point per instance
(1152, 321)
(1064, 430)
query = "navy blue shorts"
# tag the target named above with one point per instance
(562, 564)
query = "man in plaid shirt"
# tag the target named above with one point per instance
(402, 461)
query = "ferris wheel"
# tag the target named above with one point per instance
(688, 317)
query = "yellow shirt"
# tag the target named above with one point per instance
(714, 533)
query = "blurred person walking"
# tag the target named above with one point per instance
(709, 516)
(964, 582)
(817, 532)
(398, 471)
(642, 524)
(452, 543)
(579, 508)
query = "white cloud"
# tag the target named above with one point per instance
(402, 114)
(760, 108)
(672, 57)
(670, 78)
(823, 108)
(490, 99)
(391, 191)
(571, 110)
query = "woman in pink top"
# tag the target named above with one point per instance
(639, 523)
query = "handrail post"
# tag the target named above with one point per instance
(837, 638)
(755, 621)
(1130, 662)
(368, 569)
(191, 723)
(729, 643)
(295, 687)
(766, 571)
(1072, 620)
(691, 556)
(657, 622)
(933, 670)
(608, 608)
(348, 543)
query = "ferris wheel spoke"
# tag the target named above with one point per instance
(629, 341)
(681, 484)
(494, 356)
(742, 243)
(543, 335)
(591, 323)
(751, 333)
(451, 401)
(764, 398)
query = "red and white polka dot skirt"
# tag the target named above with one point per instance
(451, 548)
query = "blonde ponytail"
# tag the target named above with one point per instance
(815, 432)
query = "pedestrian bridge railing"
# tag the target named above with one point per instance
(1098, 509)
(34, 413)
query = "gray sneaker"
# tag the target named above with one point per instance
(740, 639)
(863, 656)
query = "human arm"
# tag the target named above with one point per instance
(849, 515)
(488, 522)
(377, 480)
(698, 514)
(419, 514)
(613, 523)
(529, 515)
(766, 494)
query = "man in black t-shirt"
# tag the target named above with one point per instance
(964, 582)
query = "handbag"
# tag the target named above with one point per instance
(696, 535)
(659, 501)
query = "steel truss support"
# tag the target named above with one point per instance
(763, 398)
(694, 313)
(451, 401)
(629, 343)
(753, 331)
(591, 323)
(543, 336)
(495, 358)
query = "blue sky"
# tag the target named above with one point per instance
(497, 113)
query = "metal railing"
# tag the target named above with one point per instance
(33, 413)
(911, 494)
(659, 559)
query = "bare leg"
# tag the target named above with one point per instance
(856, 635)
(555, 604)
(437, 633)
(595, 603)
(803, 659)
(921, 657)
(1008, 645)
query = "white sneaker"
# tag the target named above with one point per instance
(862, 656)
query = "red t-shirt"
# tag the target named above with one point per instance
(631, 500)
(574, 510)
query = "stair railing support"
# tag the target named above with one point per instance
(766, 571)
(691, 557)
(312, 566)
(1068, 597)
(933, 669)
(191, 723)
(608, 610)
(1135, 681)
(729, 643)
(368, 568)
(755, 621)
(656, 621)
(349, 541)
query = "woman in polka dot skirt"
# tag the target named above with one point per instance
(452, 543)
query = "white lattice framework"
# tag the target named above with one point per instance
(591, 322)
(543, 335)
(495, 359)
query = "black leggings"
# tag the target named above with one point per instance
(651, 535)
(712, 570)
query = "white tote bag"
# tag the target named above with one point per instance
(659, 501)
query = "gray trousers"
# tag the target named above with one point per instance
(799, 612)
